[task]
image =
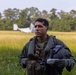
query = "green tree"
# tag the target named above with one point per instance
(73, 12)
(44, 14)
(64, 25)
(27, 16)
(53, 14)
(22, 22)
(0, 15)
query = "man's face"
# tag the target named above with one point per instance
(40, 29)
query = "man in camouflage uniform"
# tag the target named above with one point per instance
(37, 52)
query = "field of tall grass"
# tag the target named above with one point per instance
(12, 42)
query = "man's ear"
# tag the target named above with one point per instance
(47, 27)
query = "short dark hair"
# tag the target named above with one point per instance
(44, 21)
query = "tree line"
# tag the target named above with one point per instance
(58, 21)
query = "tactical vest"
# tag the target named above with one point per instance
(49, 46)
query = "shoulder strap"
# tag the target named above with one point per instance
(31, 46)
(50, 43)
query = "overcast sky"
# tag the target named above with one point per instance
(65, 5)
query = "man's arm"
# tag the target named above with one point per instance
(66, 59)
(23, 56)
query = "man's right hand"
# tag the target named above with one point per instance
(60, 64)
(56, 62)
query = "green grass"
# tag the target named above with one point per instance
(12, 42)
